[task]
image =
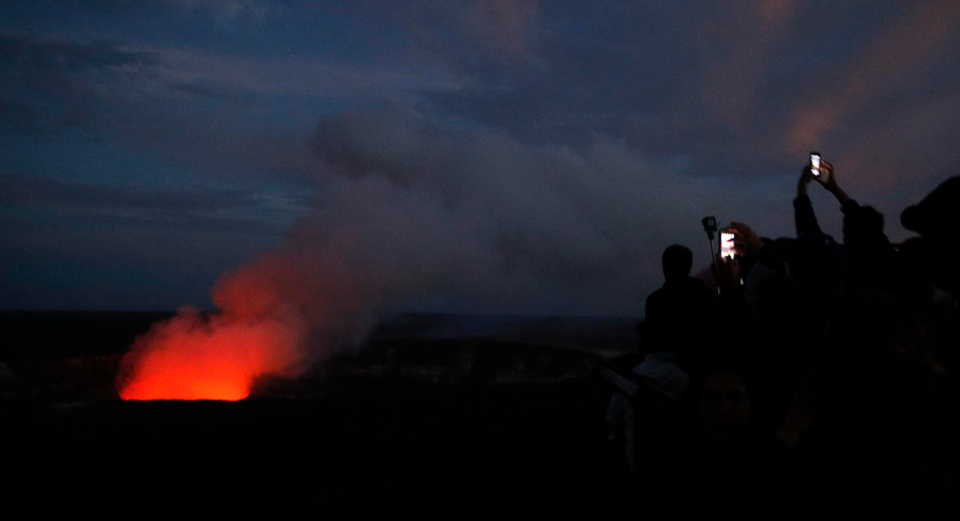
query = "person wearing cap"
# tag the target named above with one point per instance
(934, 254)
(872, 263)
(931, 259)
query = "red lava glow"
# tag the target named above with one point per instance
(269, 307)
(195, 357)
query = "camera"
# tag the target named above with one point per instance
(709, 225)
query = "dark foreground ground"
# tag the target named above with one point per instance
(438, 437)
(378, 453)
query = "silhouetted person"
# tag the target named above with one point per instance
(936, 251)
(640, 427)
(871, 261)
(679, 291)
(682, 307)
(877, 418)
(682, 299)
(932, 262)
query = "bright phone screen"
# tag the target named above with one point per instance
(726, 245)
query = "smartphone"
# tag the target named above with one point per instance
(815, 163)
(726, 245)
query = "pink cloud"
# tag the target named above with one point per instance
(885, 64)
(739, 53)
(504, 25)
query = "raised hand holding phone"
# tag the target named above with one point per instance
(727, 245)
(830, 182)
(826, 177)
(746, 241)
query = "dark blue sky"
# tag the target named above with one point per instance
(514, 156)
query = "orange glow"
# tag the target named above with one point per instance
(269, 308)
(192, 357)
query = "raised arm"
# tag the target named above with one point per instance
(804, 218)
(829, 181)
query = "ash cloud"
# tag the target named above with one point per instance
(471, 218)
(415, 214)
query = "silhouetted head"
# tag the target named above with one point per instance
(677, 261)
(934, 216)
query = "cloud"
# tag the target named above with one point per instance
(31, 200)
(884, 116)
(227, 115)
(465, 38)
(20, 189)
(223, 11)
(70, 244)
(416, 212)
(21, 54)
(505, 26)
(686, 111)
(48, 80)
(422, 209)
(743, 40)
(113, 93)
(18, 116)
(736, 90)
(53, 83)
(301, 76)
(227, 10)
(211, 90)
(901, 54)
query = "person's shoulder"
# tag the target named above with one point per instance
(693, 284)
(657, 294)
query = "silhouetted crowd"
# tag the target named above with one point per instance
(812, 377)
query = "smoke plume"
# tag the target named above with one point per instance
(414, 214)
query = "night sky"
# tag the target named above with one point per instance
(503, 156)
